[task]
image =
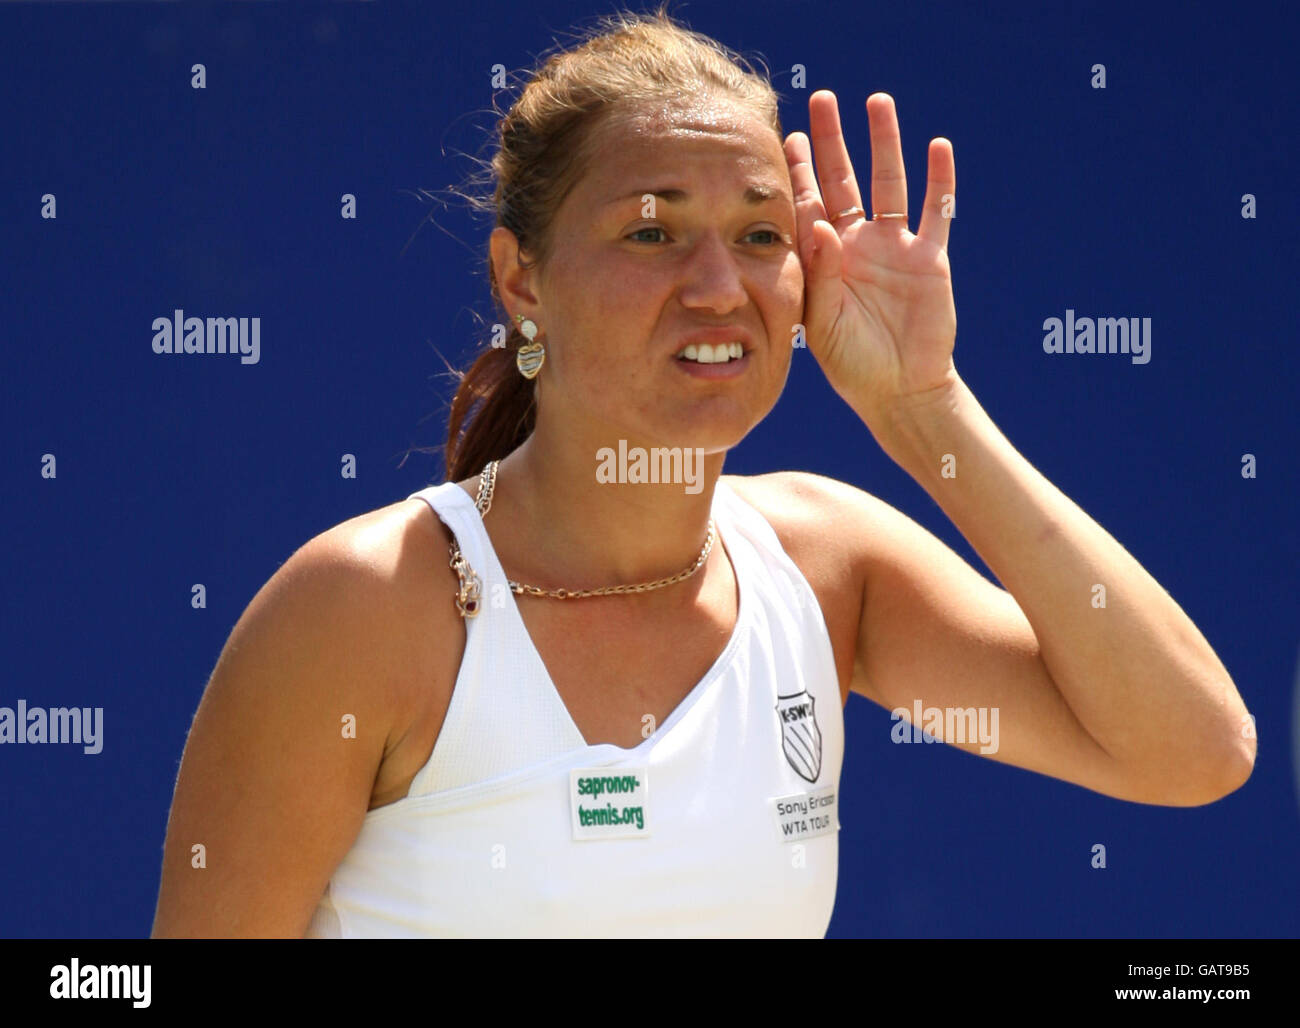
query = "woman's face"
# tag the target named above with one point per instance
(622, 293)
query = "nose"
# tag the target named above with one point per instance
(713, 278)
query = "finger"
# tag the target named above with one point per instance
(823, 292)
(940, 194)
(888, 177)
(808, 206)
(839, 186)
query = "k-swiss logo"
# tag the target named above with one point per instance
(801, 738)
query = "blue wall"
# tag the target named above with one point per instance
(1115, 202)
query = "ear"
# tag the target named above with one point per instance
(515, 283)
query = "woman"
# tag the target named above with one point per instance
(395, 742)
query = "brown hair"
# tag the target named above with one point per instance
(625, 61)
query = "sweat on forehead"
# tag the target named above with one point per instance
(704, 112)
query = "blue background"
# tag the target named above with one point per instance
(1115, 202)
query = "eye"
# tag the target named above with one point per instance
(773, 235)
(648, 228)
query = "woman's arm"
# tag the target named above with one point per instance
(271, 793)
(1086, 635)
(1125, 698)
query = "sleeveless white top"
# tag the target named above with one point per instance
(723, 822)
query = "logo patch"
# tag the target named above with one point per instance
(609, 803)
(801, 737)
(806, 814)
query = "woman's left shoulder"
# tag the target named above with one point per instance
(817, 518)
(802, 500)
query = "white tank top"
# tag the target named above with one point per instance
(723, 822)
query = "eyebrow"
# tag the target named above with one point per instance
(753, 195)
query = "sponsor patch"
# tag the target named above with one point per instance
(609, 803)
(806, 814)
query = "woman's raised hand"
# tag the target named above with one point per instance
(878, 304)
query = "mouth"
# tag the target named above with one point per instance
(715, 353)
(713, 362)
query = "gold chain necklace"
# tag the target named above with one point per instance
(467, 599)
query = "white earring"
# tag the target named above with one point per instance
(531, 355)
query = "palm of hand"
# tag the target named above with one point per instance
(878, 305)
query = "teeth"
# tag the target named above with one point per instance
(705, 353)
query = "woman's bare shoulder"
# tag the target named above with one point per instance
(404, 547)
(411, 626)
(381, 576)
(806, 506)
(821, 523)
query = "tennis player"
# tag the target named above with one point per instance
(589, 685)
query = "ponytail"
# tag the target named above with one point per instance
(497, 402)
